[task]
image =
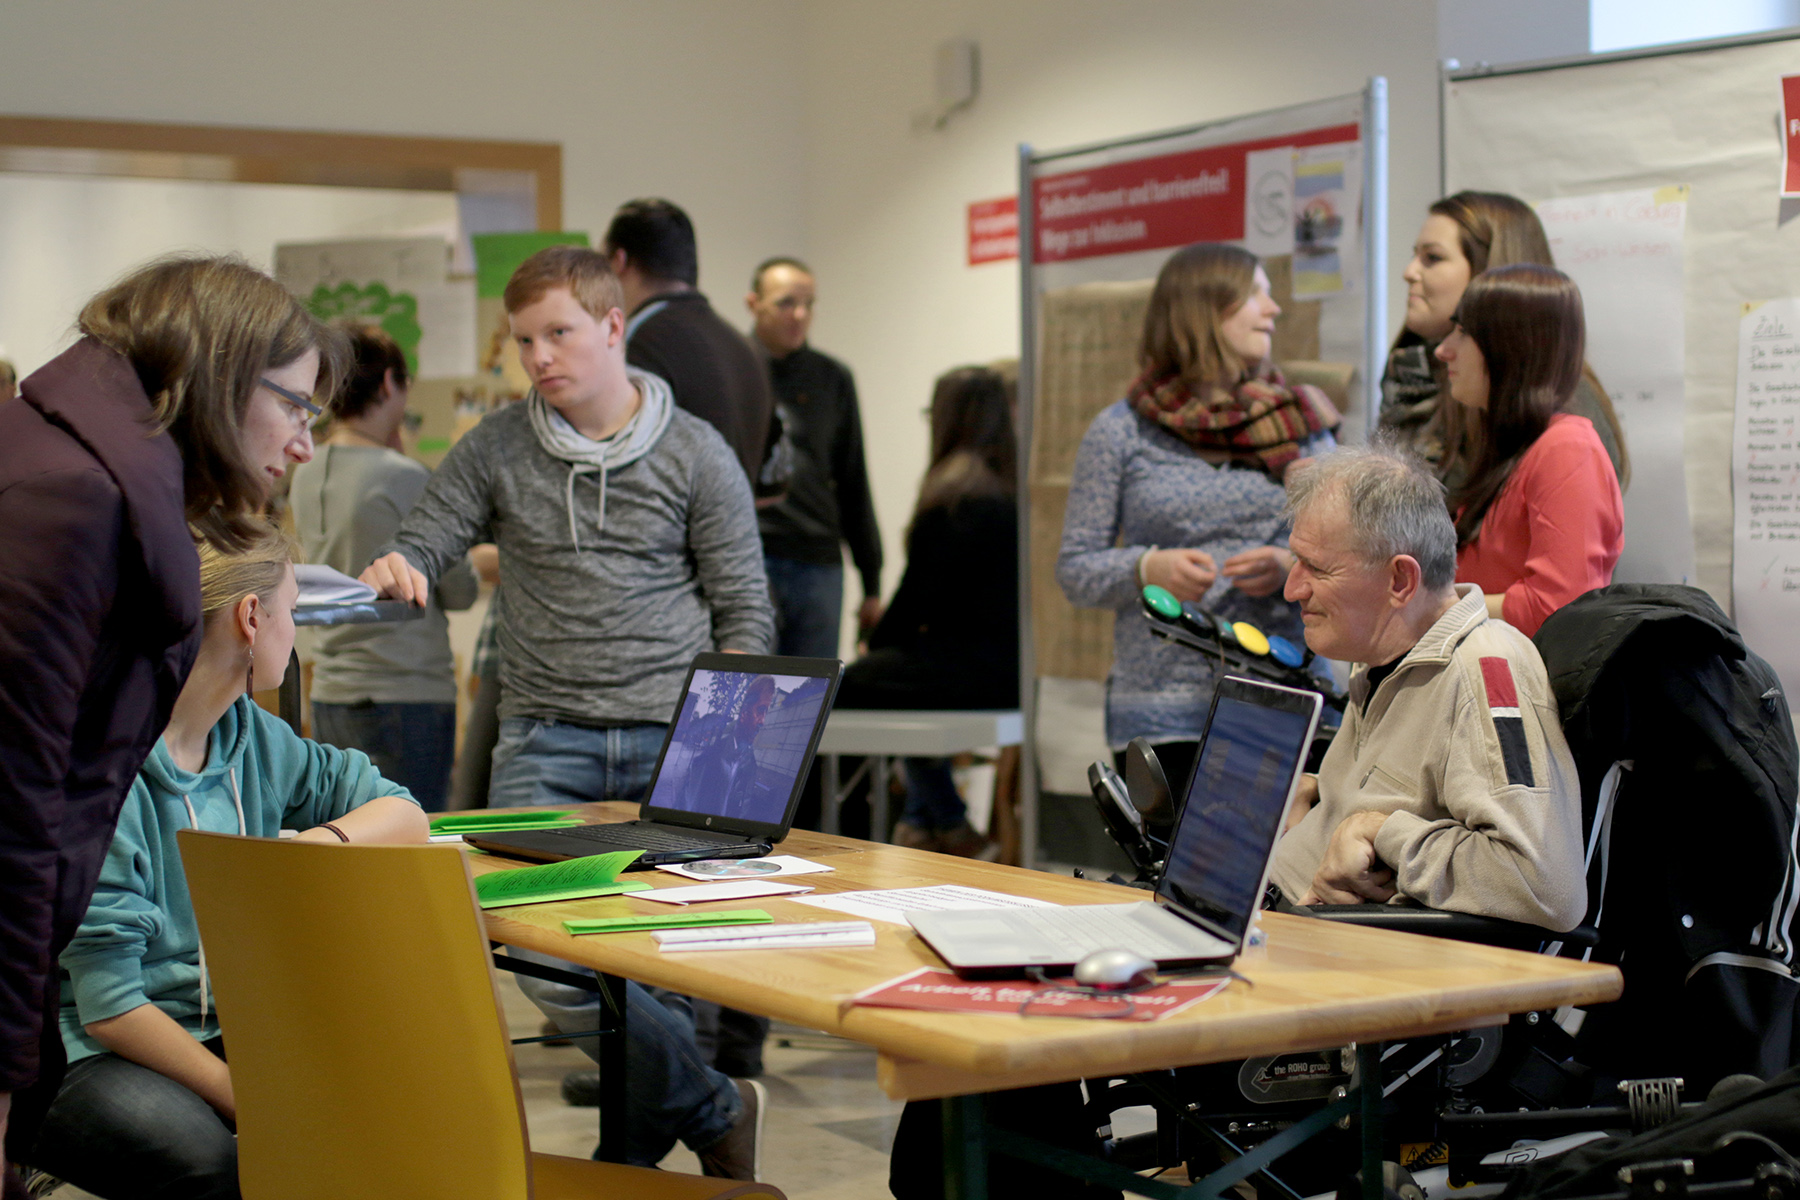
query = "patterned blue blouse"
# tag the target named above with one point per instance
(1135, 486)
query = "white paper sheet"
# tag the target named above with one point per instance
(320, 584)
(1327, 219)
(768, 867)
(804, 935)
(1624, 250)
(706, 893)
(1269, 201)
(1765, 485)
(893, 904)
(399, 283)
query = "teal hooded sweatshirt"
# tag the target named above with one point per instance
(138, 943)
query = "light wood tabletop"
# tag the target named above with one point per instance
(1316, 984)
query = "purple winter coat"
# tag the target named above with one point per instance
(99, 625)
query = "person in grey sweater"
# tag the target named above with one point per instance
(628, 544)
(388, 690)
(627, 540)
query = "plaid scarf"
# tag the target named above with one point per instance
(1261, 420)
(1410, 398)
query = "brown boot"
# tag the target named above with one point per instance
(915, 837)
(965, 841)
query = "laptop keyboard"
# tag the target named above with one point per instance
(638, 837)
(1086, 928)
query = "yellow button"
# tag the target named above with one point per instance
(1250, 637)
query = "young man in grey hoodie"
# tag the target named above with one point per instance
(628, 544)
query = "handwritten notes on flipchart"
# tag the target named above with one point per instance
(1765, 486)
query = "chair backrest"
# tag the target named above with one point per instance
(367, 1050)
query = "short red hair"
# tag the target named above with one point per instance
(582, 271)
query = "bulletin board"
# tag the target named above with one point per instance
(1303, 187)
(1704, 117)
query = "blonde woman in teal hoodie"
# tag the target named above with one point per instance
(146, 1108)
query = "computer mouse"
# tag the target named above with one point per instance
(1115, 971)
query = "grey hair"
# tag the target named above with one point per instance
(1394, 503)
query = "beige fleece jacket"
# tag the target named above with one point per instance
(1463, 745)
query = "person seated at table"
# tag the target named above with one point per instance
(949, 638)
(1539, 518)
(1450, 782)
(146, 1108)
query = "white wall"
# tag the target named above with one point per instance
(63, 238)
(697, 100)
(885, 208)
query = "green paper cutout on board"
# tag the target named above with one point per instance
(395, 312)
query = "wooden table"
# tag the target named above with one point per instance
(1317, 984)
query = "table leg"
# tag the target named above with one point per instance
(613, 1082)
(1368, 1071)
(965, 1148)
(878, 800)
(830, 799)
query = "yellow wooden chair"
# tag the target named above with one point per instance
(368, 1054)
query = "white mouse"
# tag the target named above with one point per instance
(1115, 971)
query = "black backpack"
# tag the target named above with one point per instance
(1689, 773)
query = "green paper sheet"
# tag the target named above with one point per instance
(571, 879)
(458, 822)
(736, 916)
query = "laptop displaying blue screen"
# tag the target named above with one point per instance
(1236, 797)
(739, 743)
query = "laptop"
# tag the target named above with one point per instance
(1250, 761)
(730, 773)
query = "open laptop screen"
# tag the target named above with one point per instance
(1255, 744)
(739, 743)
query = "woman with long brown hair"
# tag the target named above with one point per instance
(950, 636)
(193, 386)
(1464, 235)
(1538, 515)
(1180, 485)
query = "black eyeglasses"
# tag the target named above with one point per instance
(303, 403)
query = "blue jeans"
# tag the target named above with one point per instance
(932, 801)
(118, 1129)
(553, 762)
(809, 606)
(412, 744)
(673, 1094)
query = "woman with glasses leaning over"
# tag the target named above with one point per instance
(387, 690)
(191, 389)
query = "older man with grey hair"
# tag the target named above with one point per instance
(1450, 782)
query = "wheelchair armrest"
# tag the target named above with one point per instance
(1461, 927)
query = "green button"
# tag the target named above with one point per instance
(1159, 601)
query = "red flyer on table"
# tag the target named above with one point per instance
(936, 990)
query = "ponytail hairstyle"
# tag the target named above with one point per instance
(1527, 322)
(200, 332)
(227, 576)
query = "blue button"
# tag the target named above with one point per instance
(1285, 652)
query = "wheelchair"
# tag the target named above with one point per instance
(1665, 710)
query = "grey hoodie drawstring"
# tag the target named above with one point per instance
(576, 469)
(237, 798)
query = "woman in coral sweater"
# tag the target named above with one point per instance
(1539, 520)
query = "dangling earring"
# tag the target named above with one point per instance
(250, 670)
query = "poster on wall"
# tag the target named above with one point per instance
(1327, 192)
(1765, 486)
(400, 284)
(1624, 250)
(1269, 201)
(1790, 136)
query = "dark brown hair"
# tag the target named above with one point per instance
(657, 238)
(373, 353)
(1497, 230)
(973, 448)
(1527, 322)
(200, 332)
(583, 271)
(1195, 291)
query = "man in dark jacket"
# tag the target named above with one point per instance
(673, 332)
(827, 502)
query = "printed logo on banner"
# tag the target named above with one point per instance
(1151, 203)
(993, 230)
(1790, 135)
